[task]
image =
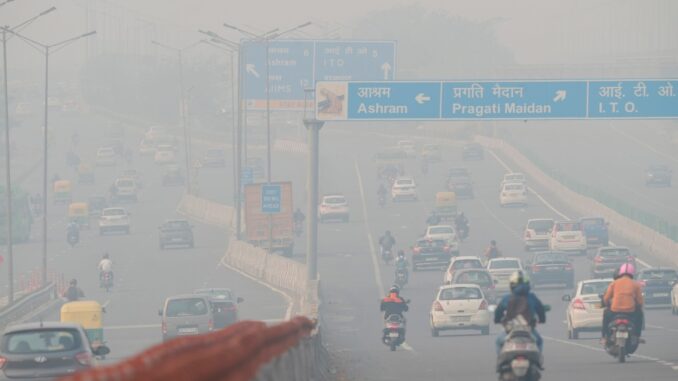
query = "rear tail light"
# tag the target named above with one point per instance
(569, 267)
(598, 259)
(578, 304)
(416, 250)
(84, 358)
(3, 361)
(483, 305)
(210, 325)
(630, 259)
(621, 321)
(163, 326)
(437, 306)
(528, 234)
(446, 248)
(642, 283)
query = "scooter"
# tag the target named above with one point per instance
(519, 358)
(622, 341)
(386, 255)
(394, 331)
(382, 200)
(73, 238)
(463, 231)
(401, 277)
(106, 281)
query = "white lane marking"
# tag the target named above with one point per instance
(646, 145)
(662, 328)
(288, 298)
(548, 204)
(373, 252)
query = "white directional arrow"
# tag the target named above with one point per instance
(560, 96)
(251, 70)
(422, 98)
(386, 68)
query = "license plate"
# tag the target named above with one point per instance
(393, 335)
(660, 295)
(568, 237)
(177, 239)
(430, 259)
(553, 268)
(188, 330)
(459, 319)
(622, 335)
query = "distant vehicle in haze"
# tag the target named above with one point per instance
(114, 219)
(514, 177)
(125, 190)
(173, 176)
(461, 263)
(97, 204)
(595, 230)
(224, 305)
(154, 132)
(409, 147)
(513, 194)
(658, 175)
(146, 147)
(472, 151)
(567, 236)
(501, 270)
(430, 253)
(551, 267)
(657, 284)
(537, 233)
(460, 306)
(404, 188)
(134, 174)
(184, 315)
(608, 260)
(480, 277)
(462, 188)
(106, 157)
(585, 310)
(176, 233)
(333, 207)
(432, 152)
(214, 157)
(163, 157)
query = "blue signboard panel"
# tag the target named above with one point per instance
(270, 198)
(496, 100)
(246, 176)
(295, 65)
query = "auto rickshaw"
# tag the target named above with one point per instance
(62, 191)
(446, 206)
(87, 313)
(85, 174)
(78, 212)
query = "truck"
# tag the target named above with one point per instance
(280, 224)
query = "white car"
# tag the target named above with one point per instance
(333, 207)
(585, 311)
(537, 233)
(513, 194)
(460, 306)
(114, 219)
(154, 132)
(567, 236)
(501, 270)
(404, 188)
(165, 147)
(445, 232)
(409, 147)
(514, 177)
(164, 157)
(674, 299)
(106, 157)
(125, 189)
(146, 147)
(461, 263)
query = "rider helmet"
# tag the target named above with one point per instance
(493, 243)
(518, 278)
(74, 282)
(394, 290)
(627, 269)
(106, 256)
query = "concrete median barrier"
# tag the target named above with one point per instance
(206, 211)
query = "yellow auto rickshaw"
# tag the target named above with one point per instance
(78, 212)
(446, 206)
(62, 191)
(87, 313)
(85, 174)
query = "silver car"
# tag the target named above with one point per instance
(184, 315)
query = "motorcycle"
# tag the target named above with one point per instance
(519, 358)
(621, 341)
(106, 280)
(382, 200)
(394, 331)
(401, 277)
(73, 238)
(386, 255)
(463, 231)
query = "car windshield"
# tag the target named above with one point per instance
(514, 187)
(467, 264)
(440, 230)
(426, 243)
(551, 258)
(41, 341)
(615, 253)
(114, 212)
(404, 182)
(594, 288)
(669, 275)
(480, 278)
(176, 225)
(460, 293)
(215, 293)
(514, 177)
(125, 183)
(186, 307)
(540, 225)
(568, 226)
(335, 200)
(504, 264)
(592, 222)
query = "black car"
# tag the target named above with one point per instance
(609, 259)
(457, 176)
(551, 267)
(224, 305)
(430, 253)
(45, 351)
(463, 189)
(657, 284)
(472, 151)
(176, 233)
(658, 175)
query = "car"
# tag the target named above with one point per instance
(567, 236)
(657, 284)
(97, 204)
(460, 306)
(114, 219)
(165, 146)
(551, 267)
(46, 350)
(432, 152)
(658, 175)
(404, 188)
(117, 144)
(154, 132)
(184, 315)
(445, 232)
(134, 174)
(224, 305)
(457, 175)
(106, 157)
(514, 177)
(333, 207)
(513, 194)
(173, 176)
(215, 157)
(125, 189)
(462, 189)
(585, 310)
(479, 277)
(461, 263)
(501, 270)
(409, 147)
(472, 151)
(176, 233)
(608, 260)
(430, 253)
(595, 230)
(537, 232)
(146, 147)
(164, 157)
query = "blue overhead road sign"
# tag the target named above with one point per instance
(496, 100)
(270, 198)
(297, 64)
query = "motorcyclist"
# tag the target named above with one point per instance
(461, 222)
(73, 292)
(394, 304)
(299, 216)
(520, 302)
(73, 229)
(386, 242)
(401, 264)
(492, 251)
(623, 296)
(382, 191)
(105, 266)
